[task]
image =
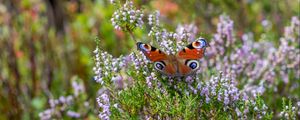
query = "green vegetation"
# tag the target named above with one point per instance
(52, 68)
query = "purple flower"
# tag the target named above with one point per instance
(127, 15)
(118, 81)
(104, 103)
(189, 79)
(73, 114)
(77, 87)
(204, 91)
(207, 99)
(187, 32)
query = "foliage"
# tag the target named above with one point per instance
(250, 71)
(135, 91)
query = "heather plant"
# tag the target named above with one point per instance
(51, 67)
(71, 105)
(288, 110)
(131, 88)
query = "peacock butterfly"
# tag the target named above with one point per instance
(184, 63)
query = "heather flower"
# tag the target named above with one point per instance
(61, 106)
(139, 62)
(127, 17)
(118, 81)
(153, 19)
(240, 61)
(150, 79)
(46, 115)
(292, 32)
(170, 42)
(247, 64)
(289, 111)
(189, 79)
(224, 36)
(73, 114)
(187, 32)
(104, 104)
(223, 88)
(106, 66)
(77, 87)
(207, 99)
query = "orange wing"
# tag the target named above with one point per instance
(195, 50)
(151, 52)
(189, 57)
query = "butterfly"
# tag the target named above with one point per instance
(185, 62)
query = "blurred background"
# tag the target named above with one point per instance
(45, 44)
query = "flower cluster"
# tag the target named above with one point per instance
(286, 55)
(153, 19)
(60, 103)
(102, 61)
(150, 78)
(228, 94)
(289, 111)
(78, 87)
(292, 32)
(107, 66)
(62, 106)
(162, 36)
(127, 17)
(187, 32)
(269, 60)
(104, 104)
(224, 36)
(247, 66)
(171, 42)
(222, 89)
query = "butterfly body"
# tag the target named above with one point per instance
(184, 63)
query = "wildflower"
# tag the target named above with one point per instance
(118, 81)
(150, 78)
(292, 30)
(104, 103)
(127, 17)
(207, 99)
(153, 19)
(77, 87)
(46, 115)
(73, 114)
(205, 91)
(189, 80)
(186, 32)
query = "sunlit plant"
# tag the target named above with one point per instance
(132, 88)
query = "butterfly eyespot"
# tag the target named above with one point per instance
(200, 43)
(159, 65)
(193, 64)
(144, 47)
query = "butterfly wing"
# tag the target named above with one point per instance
(195, 50)
(161, 60)
(151, 52)
(188, 58)
(186, 62)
